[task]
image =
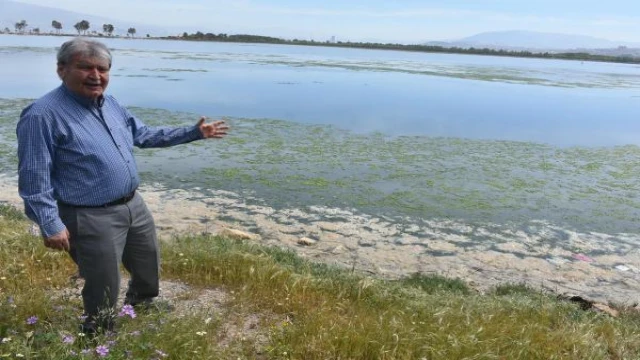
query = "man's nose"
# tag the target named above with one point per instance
(94, 73)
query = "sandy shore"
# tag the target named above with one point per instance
(382, 247)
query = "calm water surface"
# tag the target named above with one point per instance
(562, 103)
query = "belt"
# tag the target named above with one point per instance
(123, 200)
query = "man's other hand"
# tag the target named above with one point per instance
(59, 241)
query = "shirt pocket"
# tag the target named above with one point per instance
(123, 136)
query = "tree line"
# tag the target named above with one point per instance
(583, 56)
(81, 27)
(232, 38)
(107, 29)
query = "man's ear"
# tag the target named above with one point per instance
(61, 71)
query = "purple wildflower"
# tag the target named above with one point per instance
(128, 311)
(102, 351)
(68, 339)
(32, 320)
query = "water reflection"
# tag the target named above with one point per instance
(397, 93)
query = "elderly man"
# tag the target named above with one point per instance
(78, 179)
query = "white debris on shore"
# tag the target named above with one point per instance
(484, 256)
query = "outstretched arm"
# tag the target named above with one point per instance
(147, 137)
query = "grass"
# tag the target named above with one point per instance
(304, 310)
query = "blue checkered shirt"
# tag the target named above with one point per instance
(78, 151)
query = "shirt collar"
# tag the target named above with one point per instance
(84, 101)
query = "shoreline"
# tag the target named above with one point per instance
(375, 246)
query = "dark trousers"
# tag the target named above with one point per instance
(103, 238)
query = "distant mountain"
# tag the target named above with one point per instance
(531, 40)
(40, 17)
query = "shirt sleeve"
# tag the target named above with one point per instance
(35, 154)
(161, 136)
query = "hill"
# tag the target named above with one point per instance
(538, 41)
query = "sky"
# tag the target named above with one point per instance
(405, 21)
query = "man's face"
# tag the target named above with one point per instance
(85, 76)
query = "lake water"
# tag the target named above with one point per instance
(490, 142)
(562, 103)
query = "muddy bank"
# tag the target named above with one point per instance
(601, 267)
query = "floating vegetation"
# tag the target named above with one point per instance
(176, 70)
(420, 177)
(141, 76)
(427, 65)
(27, 49)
